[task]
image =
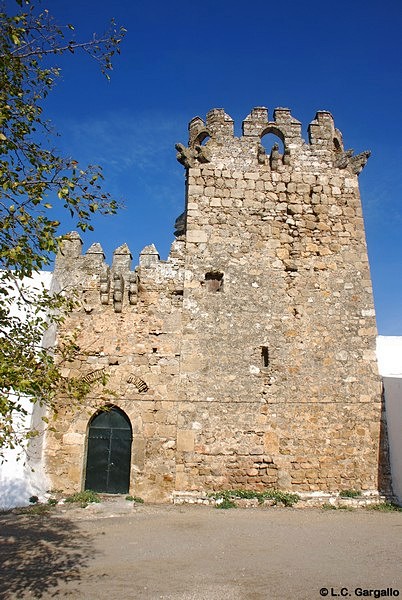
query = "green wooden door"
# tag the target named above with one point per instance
(109, 453)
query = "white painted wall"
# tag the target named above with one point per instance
(21, 473)
(389, 355)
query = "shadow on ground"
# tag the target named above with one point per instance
(38, 553)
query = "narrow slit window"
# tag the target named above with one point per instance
(337, 146)
(264, 357)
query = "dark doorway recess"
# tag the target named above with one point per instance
(109, 452)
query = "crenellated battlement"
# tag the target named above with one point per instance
(283, 125)
(235, 173)
(215, 137)
(119, 284)
(219, 125)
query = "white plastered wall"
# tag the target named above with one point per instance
(21, 474)
(389, 355)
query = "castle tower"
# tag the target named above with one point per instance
(247, 359)
(278, 369)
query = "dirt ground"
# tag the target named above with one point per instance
(200, 553)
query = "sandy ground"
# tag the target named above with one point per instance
(200, 553)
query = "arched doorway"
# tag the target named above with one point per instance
(109, 452)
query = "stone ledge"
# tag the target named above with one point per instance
(307, 499)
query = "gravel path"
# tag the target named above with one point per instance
(143, 552)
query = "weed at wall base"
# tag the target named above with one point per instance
(227, 498)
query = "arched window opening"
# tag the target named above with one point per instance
(270, 138)
(108, 452)
(202, 138)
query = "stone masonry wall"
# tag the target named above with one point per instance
(129, 326)
(255, 339)
(278, 365)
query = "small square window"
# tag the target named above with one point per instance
(214, 281)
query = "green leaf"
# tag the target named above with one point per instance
(31, 174)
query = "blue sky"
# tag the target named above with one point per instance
(180, 59)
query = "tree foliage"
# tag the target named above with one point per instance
(34, 178)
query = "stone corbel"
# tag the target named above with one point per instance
(286, 157)
(104, 287)
(185, 156)
(359, 161)
(133, 289)
(275, 157)
(355, 163)
(118, 290)
(202, 154)
(191, 157)
(261, 154)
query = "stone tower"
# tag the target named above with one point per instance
(278, 336)
(247, 359)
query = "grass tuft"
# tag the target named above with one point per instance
(229, 497)
(385, 507)
(328, 506)
(136, 499)
(84, 497)
(350, 493)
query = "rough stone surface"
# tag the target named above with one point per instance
(255, 339)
